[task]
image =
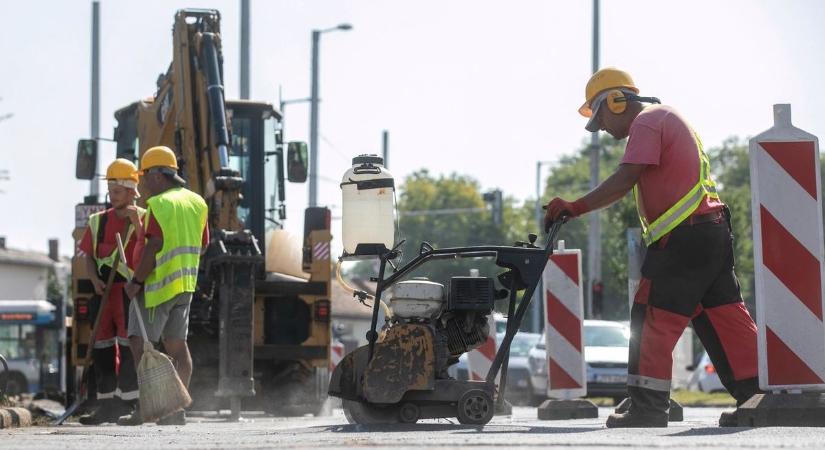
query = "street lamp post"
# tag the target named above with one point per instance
(313, 114)
(537, 305)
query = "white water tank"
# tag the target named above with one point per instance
(368, 207)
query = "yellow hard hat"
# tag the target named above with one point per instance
(159, 156)
(607, 78)
(122, 169)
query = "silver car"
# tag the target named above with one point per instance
(605, 353)
(704, 377)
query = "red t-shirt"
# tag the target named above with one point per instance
(114, 225)
(661, 139)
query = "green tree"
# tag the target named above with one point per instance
(426, 196)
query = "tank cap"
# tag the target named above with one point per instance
(367, 159)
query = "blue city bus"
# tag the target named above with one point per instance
(31, 340)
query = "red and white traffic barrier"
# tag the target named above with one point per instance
(480, 360)
(336, 354)
(788, 256)
(564, 304)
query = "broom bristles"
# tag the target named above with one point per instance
(161, 390)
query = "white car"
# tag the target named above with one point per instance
(605, 353)
(705, 378)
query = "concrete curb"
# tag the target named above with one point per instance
(15, 417)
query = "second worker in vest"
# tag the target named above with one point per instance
(688, 272)
(167, 272)
(117, 389)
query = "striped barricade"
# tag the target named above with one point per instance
(564, 303)
(788, 256)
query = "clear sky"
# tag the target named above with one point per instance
(484, 88)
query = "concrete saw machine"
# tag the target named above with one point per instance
(400, 376)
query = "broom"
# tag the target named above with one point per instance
(161, 390)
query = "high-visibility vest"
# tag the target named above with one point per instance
(676, 214)
(109, 261)
(181, 215)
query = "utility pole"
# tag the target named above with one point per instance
(385, 148)
(538, 305)
(245, 49)
(313, 124)
(95, 119)
(594, 242)
(313, 113)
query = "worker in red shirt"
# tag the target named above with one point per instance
(114, 367)
(688, 272)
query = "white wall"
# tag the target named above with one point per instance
(18, 282)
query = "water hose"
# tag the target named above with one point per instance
(352, 290)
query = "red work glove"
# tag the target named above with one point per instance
(558, 208)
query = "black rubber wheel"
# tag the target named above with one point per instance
(409, 413)
(358, 413)
(475, 408)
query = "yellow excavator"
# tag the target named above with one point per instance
(259, 328)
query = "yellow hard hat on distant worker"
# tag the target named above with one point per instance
(607, 78)
(122, 169)
(159, 156)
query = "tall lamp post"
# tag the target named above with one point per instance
(537, 306)
(313, 113)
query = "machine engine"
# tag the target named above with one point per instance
(459, 319)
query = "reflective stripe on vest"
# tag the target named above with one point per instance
(181, 215)
(109, 261)
(676, 214)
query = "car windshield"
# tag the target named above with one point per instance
(522, 343)
(602, 336)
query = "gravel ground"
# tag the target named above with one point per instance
(522, 430)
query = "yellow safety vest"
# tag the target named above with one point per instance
(676, 214)
(94, 227)
(181, 215)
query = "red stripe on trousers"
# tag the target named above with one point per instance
(737, 334)
(784, 367)
(660, 332)
(799, 161)
(559, 379)
(569, 264)
(791, 262)
(563, 321)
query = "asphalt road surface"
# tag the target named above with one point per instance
(522, 430)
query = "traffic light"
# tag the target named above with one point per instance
(494, 199)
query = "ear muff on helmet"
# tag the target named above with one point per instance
(617, 100)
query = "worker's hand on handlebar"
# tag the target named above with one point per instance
(559, 209)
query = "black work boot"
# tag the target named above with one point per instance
(742, 391)
(648, 409)
(633, 419)
(729, 418)
(131, 420)
(105, 412)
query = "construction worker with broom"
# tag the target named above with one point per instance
(114, 367)
(688, 271)
(166, 274)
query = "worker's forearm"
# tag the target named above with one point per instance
(609, 191)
